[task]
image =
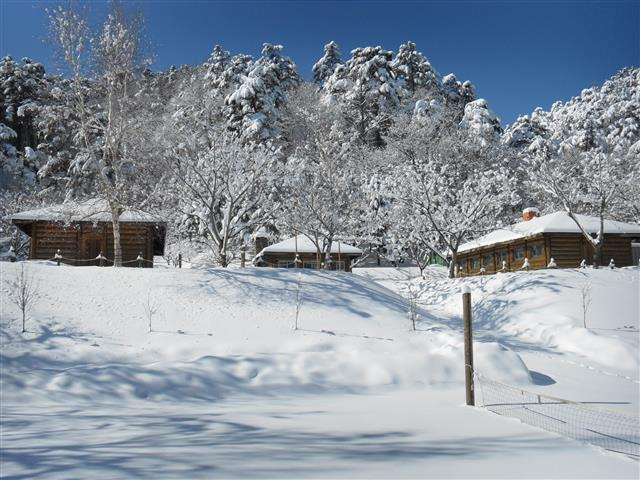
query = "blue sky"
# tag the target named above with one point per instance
(518, 54)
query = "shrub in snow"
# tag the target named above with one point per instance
(612, 264)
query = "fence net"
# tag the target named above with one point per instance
(612, 430)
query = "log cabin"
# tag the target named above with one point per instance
(301, 252)
(539, 239)
(81, 231)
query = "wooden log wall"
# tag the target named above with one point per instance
(134, 238)
(568, 250)
(513, 254)
(47, 238)
(618, 248)
(84, 241)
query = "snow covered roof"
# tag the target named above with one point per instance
(558, 222)
(94, 210)
(305, 245)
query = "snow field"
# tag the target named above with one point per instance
(214, 323)
(225, 387)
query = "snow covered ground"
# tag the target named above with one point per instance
(224, 386)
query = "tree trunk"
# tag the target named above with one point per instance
(597, 254)
(453, 263)
(117, 245)
(597, 248)
(327, 256)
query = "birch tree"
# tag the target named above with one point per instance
(108, 128)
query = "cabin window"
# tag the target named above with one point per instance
(502, 257)
(285, 264)
(518, 253)
(487, 260)
(537, 250)
(310, 264)
(475, 263)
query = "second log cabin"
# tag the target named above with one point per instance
(538, 239)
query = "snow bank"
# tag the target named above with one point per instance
(225, 387)
(218, 331)
(543, 310)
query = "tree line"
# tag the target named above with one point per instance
(377, 149)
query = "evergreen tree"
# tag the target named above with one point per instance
(23, 85)
(254, 107)
(457, 94)
(216, 67)
(325, 67)
(367, 92)
(414, 69)
(481, 121)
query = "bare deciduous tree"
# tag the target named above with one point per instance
(150, 308)
(23, 292)
(412, 297)
(593, 182)
(585, 297)
(449, 185)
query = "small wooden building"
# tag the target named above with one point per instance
(82, 231)
(283, 255)
(541, 238)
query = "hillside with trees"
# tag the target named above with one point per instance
(375, 148)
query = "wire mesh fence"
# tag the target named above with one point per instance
(616, 431)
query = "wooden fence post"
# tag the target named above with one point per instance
(468, 345)
(179, 260)
(139, 260)
(101, 259)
